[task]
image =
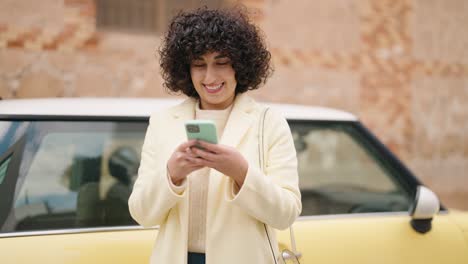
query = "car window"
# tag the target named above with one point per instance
(341, 173)
(76, 174)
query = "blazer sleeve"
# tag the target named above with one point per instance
(152, 196)
(273, 196)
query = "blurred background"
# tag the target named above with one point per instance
(400, 65)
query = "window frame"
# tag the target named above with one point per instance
(125, 22)
(8, 186)
(158, 19)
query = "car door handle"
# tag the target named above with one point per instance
(289, 255)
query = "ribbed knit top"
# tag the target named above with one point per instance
(198, 181)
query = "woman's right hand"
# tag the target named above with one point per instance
(182, 162)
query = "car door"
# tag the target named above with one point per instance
(65, 185)
(355, 198)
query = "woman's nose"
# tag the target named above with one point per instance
(210, 75)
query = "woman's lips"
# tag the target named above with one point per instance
(213, 88)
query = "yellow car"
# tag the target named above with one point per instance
(67, 167)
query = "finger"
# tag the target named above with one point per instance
(209, 156)
(215, 148)
(188, 151)
(204, 163)
(185, 157)
(196, 167)
(188, 156)
(194, 151)
(195, 161)
(187, 144)
(179, 157)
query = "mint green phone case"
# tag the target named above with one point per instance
(201, 129)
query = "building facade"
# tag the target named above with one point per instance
(400, 65)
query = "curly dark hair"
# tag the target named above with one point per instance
(229, 32)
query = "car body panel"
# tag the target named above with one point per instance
(334, 239)
(377, 239)
(130, 246)
(460, 218)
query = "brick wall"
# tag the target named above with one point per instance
(400, 65)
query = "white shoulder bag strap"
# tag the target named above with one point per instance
(261, 158)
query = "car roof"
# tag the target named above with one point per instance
(141, 107)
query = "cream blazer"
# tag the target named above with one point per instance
(235, 222)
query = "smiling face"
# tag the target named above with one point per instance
(214, 80)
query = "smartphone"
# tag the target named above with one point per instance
(202, 130)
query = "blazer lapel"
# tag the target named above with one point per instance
(185, 110)
(239, 122)
(181, 113)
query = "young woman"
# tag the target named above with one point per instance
(216, 204)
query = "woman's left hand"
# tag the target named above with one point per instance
(222, 158)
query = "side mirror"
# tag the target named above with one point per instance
(425, 206)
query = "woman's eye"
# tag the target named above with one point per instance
(223, 62)
(198, 64)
